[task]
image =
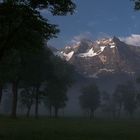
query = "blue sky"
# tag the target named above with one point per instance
(95, 19)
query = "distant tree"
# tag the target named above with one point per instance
(48, 104)
(56, 95)
(57, 87)
(36, 70)
(138, 92)
(3, 78)
(138, 98)
(105, 101)
(1, 91)
(130, 103)
(118, 98)
(7, 102)
(12, 66)
(90, 99)
(27, 99)
(108, 105)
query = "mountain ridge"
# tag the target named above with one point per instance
(100, 57)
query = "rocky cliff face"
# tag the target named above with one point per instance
(102, 57)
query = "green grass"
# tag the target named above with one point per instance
(68, 129)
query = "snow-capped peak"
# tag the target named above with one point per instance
(106, 42)
(102, 57)
(102, 48)
(90, 53)
(68, 47)
(66, 56)
(69, 55)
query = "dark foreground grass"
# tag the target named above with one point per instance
(68, 129)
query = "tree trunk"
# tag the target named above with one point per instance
(92, 114)
(28, 112)
(119, 111)
(36, 102)
(1, 93)
(50, 111)
(131, 115)
(113, 114)
(29, 107)
(15, 98)
(56, 112)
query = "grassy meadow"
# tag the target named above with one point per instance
(68, 129)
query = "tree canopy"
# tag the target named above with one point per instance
(137, 4)
(90, 99)
(22, 25)
(57, 87)
(23, 32)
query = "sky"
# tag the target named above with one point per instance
(94, 19)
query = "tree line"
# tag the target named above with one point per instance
(24, 61)
(124, 99)
(35, 77)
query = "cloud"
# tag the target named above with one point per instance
(103, 35)
(85, 35)
(134, 39)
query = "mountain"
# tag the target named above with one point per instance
(107, 62)
(102, 57)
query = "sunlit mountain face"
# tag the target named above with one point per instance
(106, 56)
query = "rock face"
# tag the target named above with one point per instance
(102, 57)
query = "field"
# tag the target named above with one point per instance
(68, 129)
